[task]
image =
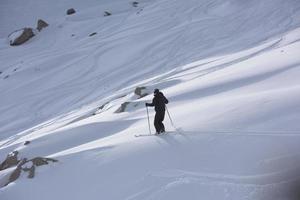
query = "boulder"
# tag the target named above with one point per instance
(92, 34)
(20, 36)
(10, 161)
(30, 170)
(106, 13)
(20, 166)
(100, 109)
(122, 108)
(39, 161)
(71, 11)
(41, 24)
(17, 172)
(135, 4)
(140, 92)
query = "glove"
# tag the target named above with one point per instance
(146, 104)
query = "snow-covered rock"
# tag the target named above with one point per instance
(141, 92)
(11, 168)
(10, 160)
(20, 36)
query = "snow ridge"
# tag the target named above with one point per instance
(229, 69)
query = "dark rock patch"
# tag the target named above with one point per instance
(106, 13)
(92, 34)
(10, 161)
(71, 11)
(23, 35)
(22, 166)
(138, 12)
(135, 4)
(101, 107)
(30, 170)
(139, 92)
(41, 24)
(39, 161)
(122, 107)
(17, 172)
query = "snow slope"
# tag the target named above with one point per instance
(229, 68)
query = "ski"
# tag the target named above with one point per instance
(145, 135)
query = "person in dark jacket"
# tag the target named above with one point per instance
(159, 102)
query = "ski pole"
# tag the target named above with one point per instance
(148, 120)
(170, 118)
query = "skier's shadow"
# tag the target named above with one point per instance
(176, 137)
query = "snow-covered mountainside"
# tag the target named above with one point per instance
(229, 68)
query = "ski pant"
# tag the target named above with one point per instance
(158, 122)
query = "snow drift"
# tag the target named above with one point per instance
(229, 68)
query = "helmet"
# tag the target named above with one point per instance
(156, 91)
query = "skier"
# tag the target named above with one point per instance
(159, 102)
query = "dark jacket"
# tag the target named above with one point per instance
(159, 102)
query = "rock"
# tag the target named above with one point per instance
(93, 34)
(20, 36)
(41, 24)
(39, 161)
(135, 4)
(123, 107)
(16, 173)
(30, 170)
(103, 105)
(23, 165)
(139, 92)
(71, 11)
(140, 11)
(26, 142)
(5, 77)
(10, 161)
(106, 13)
(14, 176)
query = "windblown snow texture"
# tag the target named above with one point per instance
(229, 68)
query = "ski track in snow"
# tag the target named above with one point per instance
(230, 70)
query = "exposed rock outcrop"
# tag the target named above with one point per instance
(92, 34)
(23, 165)
(135, 4)
(106, 13)
(122, 107)
(20, 36)
(71, 11)
(10, 161)
(17, 172)
(140, 91)
(39, 161)
(41, 24)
